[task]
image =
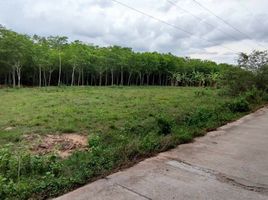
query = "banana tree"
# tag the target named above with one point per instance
(213, 79)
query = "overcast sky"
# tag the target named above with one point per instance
(104, 22)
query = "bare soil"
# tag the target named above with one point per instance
(63, 145)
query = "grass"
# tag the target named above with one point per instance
(88, 110)
(123, 124)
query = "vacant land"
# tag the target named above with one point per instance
(94, 110)
(97, 130)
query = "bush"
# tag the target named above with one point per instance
(164, 125)
(199, 117)
(254, 95)
(262, 78)
(239, 105)
(236, 81)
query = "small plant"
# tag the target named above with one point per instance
(199, 117)
(200, 93)
(164, 125)
(239, 105)
(254, 95)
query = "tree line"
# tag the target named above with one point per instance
(46, 61)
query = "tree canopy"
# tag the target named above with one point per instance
(54, 60)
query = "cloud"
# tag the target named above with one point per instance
(104, 22)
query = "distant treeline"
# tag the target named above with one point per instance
(41, 61)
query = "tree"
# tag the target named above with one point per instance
(58, 43)
(17, 51)
(79, 63)
(41, 57)
(254, 60)
(213, 78)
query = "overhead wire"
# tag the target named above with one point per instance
(200, 19)
(169, 24)
(224, 21)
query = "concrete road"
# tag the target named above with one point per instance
(230, 163)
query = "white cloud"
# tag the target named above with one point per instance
(104, 22)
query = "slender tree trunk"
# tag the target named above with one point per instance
(14, 76)
(87, 78)
(140, 78)
(129, 78)
(79, 77)
(19, 76)
(106, 78)
(159, 78)
(112, 73)
(72, 82)
(59, 80)
(100, 75)
(82, 74)
(40, 76)
(122, 76)
(49, 77)
(18, 70)
(153, 79)
(45, 78)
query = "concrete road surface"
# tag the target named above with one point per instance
(230, 163)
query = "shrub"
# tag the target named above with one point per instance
(237, 81)
(199, 117)
(150, 142)
(164, 125)
(262, 78)
(254, 95)
(239, 105)
(265, 96)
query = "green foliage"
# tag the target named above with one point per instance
(83, 64)
(262, 78)
(239, 105)
(236, 81)
(164, 125)
(254, 95)
(199, 117)
(119, 133)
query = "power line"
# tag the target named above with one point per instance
(224, 21)
(167, 23)
(200, 19)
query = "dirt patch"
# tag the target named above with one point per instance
(8, 128)
(64, 145)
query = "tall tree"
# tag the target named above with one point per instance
(58, 43)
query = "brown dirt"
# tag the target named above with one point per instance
(64, 145)
(8, 128)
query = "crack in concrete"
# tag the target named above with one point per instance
(216, 175)
(225, 179)
(133, 191)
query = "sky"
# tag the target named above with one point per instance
(192, 30)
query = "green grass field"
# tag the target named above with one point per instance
(122, 125)
(90, 110)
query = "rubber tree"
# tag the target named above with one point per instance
(17, 50)
(58, 43)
